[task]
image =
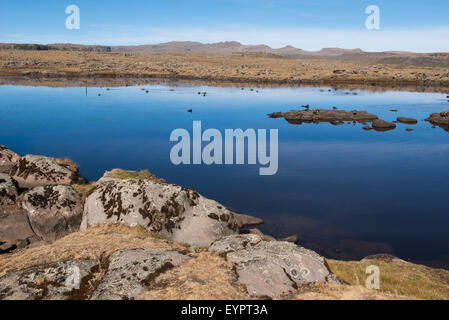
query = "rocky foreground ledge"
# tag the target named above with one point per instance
(131, 235)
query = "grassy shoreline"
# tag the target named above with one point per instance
(253, 69)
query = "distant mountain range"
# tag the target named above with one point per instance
(408, 58)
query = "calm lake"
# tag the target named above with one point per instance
(345, 191)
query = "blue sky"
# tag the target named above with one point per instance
(421, 26)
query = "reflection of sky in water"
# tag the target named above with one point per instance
(345, 191)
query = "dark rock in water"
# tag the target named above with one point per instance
(8, 159)
(32, 171)
(63, 280)
(394, 110)
(130, 271)
(367, 128)
(407, 120)
(440, 119)
(323, 115)
(190, 110)
(381, 125)
(409, 129)
(177, 213)
(275, 115)
(53, 211)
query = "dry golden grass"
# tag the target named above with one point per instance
(139, 175)
(209, 276)
(397, 278)
(94, 243)
(330, 291)
(84, 190)
(206, 277)
(256, 68)
(67, 163)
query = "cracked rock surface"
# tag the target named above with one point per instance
(130, 271)
(53, 281)
(272, 269)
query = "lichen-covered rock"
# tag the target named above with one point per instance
(14, 225)
(324, 115)
(63, 280)
(53, 211)
(275, 268)
(7, 159)
(131, 270)
(8, 190)
(32, 171)
(171, 211)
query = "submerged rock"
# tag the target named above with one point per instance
(381, 125)
(53, 211)
(63, 280)
(130, 271)
(32, 171)
(8, 159)
(407, 120)
(171, 211)
(322, 115)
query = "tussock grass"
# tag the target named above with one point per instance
(139, 175)
(397, 277)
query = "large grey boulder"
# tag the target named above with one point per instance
(33, 171)
(15, 228)
(272, 268)
(63, 280)
(131, 270)
(171, 211)
(7, 159)
(53, 211)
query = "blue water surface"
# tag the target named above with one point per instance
(345, 191)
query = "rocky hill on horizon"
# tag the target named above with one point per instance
(232, 47)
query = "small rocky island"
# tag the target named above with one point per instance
(132, 235)
(340, 117)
